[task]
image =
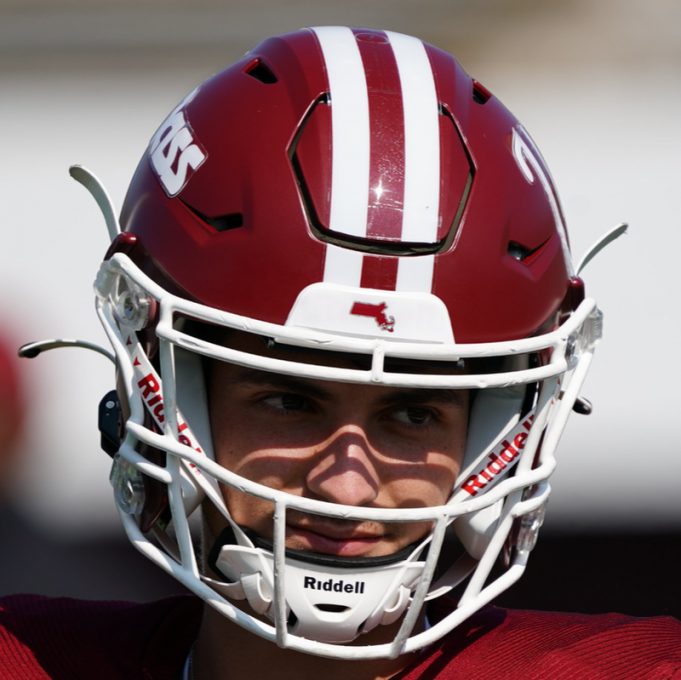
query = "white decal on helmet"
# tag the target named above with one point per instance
(174, 151)
(527, 157)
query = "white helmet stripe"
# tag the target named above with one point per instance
(350, 130)
(422, 140)
(343, 266)
(529, 158)
(351, 157)
(415, 274)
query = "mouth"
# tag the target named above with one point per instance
(347, 539)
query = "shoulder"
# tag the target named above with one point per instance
(531, 645)
(65, 638)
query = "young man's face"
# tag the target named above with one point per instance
(360, 445)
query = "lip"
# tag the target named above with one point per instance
(343, 542)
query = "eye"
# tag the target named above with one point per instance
(287, 402)
(413, 415)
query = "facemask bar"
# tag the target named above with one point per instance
(378, 349)
(580, 331)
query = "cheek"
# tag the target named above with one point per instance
(236, 441)
(422, 475)
(249, 511)
(248, 451)
(244, 440)
(253, 456)
(448, 470)
(424, 485)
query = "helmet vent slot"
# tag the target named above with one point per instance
(517, 251)
(481, 95)
(259, 70)
(226, 222)
(524, 254)
(332, 608)
(222, 222)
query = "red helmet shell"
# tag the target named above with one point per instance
(241, 215)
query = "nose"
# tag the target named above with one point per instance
(343, 471)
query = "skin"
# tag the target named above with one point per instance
(360, 445)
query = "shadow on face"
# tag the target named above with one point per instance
(344, 443)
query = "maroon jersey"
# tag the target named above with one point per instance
(65, 639)
(503, 644)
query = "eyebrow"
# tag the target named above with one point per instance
(425, 395)
(310, 388)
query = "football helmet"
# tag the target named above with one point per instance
(348, 191)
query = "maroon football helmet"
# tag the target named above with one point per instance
(350, 191)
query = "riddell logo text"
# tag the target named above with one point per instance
(506, 456)
(334, 586)
(154, 401)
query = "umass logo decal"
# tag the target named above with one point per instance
(377, 312)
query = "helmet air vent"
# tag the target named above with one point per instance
(222, 222)
(524, 254)
(481, 94)
(226, 222)
(259, 70)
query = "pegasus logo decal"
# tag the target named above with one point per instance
(385, 322)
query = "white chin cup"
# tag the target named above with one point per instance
(327, 603)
